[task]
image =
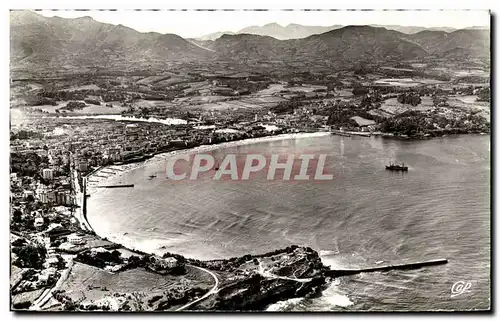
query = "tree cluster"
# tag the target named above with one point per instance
(99, 259)
(29, 256)
(27, 164)
(411, 98)
(72, 105)
(359, 90)
(440, 100)
(287, 107)
(371, 101)
(484, 94)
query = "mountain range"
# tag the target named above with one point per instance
(36, 39)
(41, 42)
(297, 31)
(291, 31)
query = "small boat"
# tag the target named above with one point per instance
(152, 176)
(394, 167)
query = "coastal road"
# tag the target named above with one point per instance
(79, 197)
(209, 293)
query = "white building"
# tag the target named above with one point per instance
(170, 262)
(48, 174)
(54, 227)
(98, 250)
(164, 263)
(43, 196)
(75, 239)
(38, 221)
(27, 193)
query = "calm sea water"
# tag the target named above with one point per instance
(439, 209)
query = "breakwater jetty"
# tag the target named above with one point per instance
(406, 266)
(116, 186)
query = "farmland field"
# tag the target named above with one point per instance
(406, 82)
(425, 105)
(393, 106)
(200, 99)
(152, 103)
(271, 89)
(468, 99)
(305, 88)
(152, 79)
(233, 104)
(85, 87)
(344, 93)
(90, 109)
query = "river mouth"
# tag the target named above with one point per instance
(365, 216)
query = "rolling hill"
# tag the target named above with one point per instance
(56, 41)
(291, 31)
(463, 43)
(297, 31)
(352, 43)
(40, 42)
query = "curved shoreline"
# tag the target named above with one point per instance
(203, 148)
(122, 169)
(162, 156)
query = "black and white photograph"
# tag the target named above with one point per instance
(243, 160)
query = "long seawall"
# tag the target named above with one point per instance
(406, 266)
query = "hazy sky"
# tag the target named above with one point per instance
(198, 23)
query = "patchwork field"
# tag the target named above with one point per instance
(397, 69)
(85, 87)
(172, 81)
(152, 79)
(392, 107)
(90, 109)
(272, 89)
(425, 105)
(344, 93)
(406, 82)
(482, 108)
(249, 102)
(141, 103)
(468, 99)
(200, 99)
(305, 88)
